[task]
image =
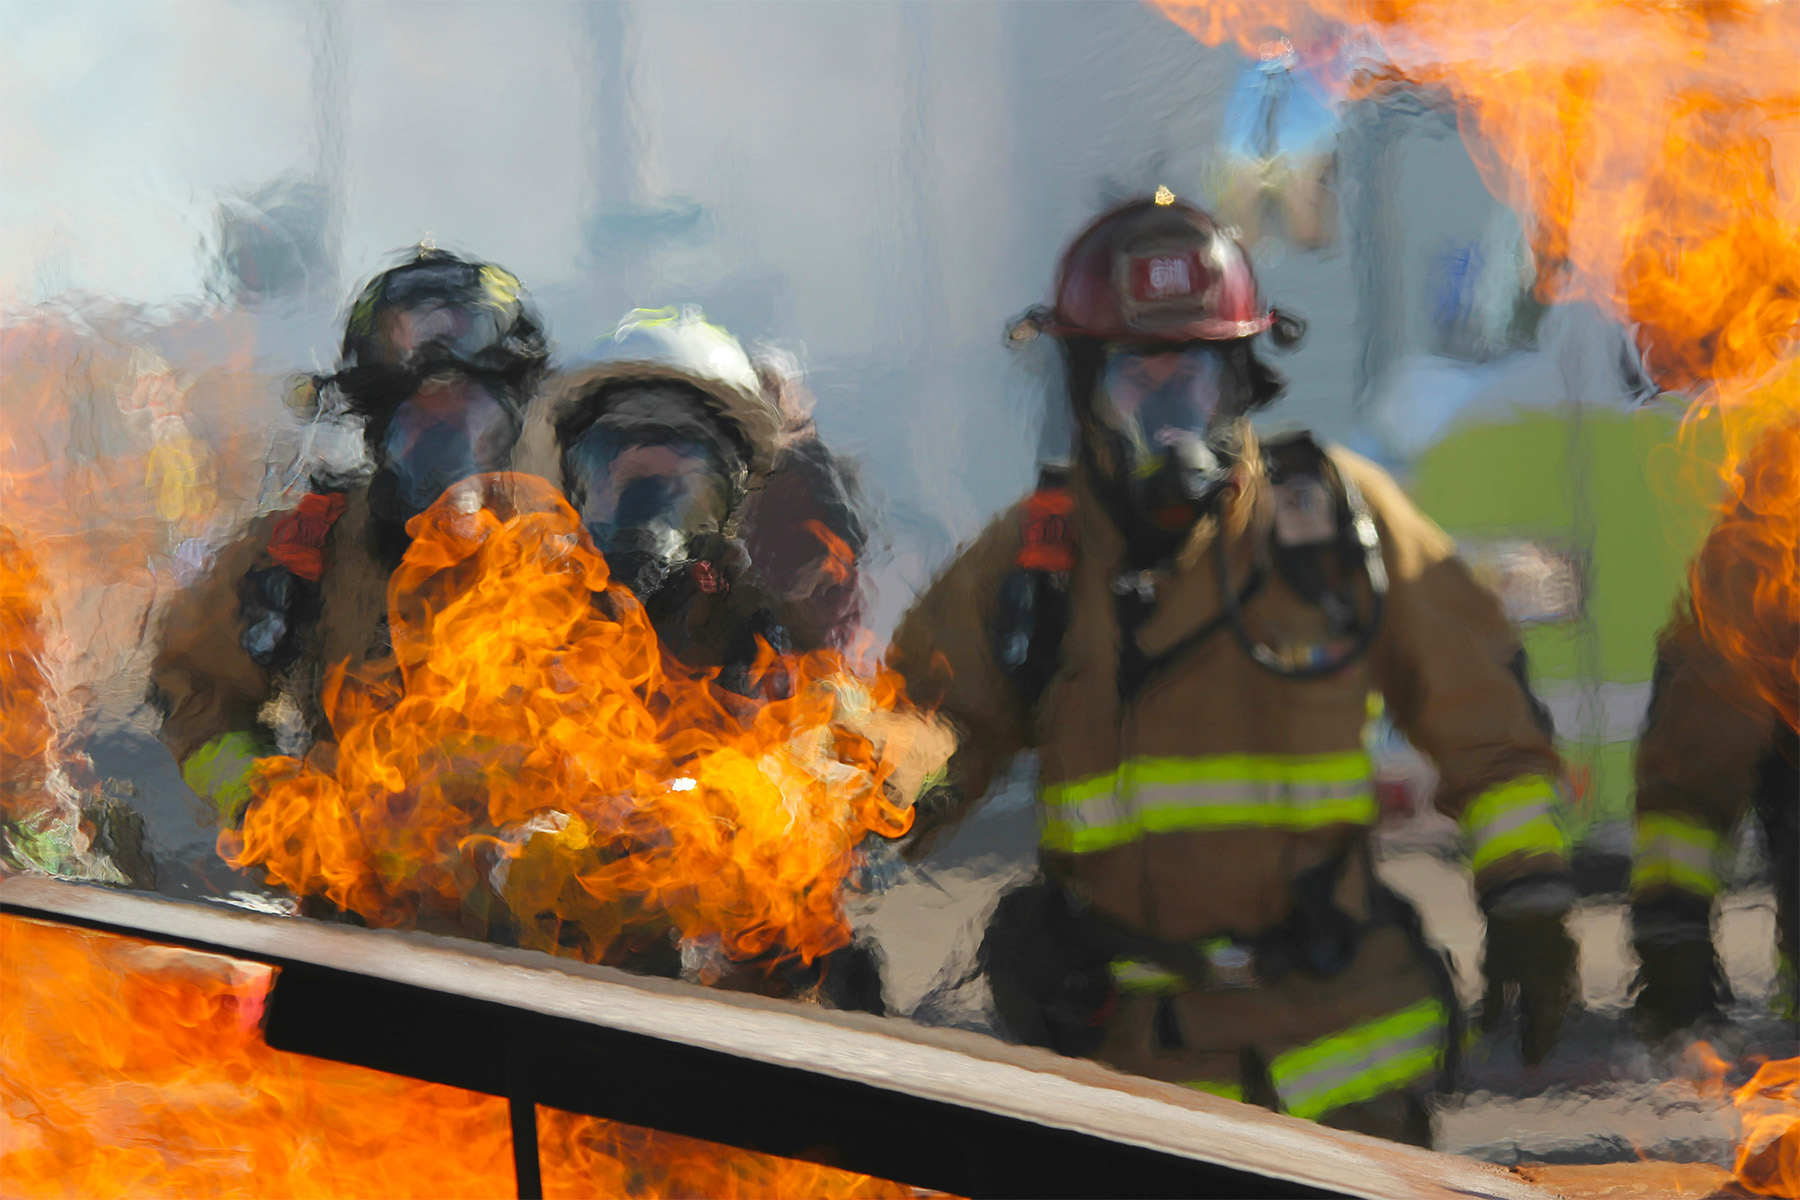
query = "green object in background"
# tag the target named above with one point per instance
(1629, 505)
(219, 772)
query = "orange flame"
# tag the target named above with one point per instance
(1653, 152)
(132, 1069)
(1768, 1155)
(26, 732)
(537, 759)
(840, 560)
(1745, 582)
(128, 1069)
(1767, 1108)
(102, 477)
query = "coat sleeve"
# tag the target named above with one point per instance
(205, 684)
(944, 651)
(1696, 767)
(1452, 672)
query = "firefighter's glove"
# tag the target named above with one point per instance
(1531, 958)
(1679, 977)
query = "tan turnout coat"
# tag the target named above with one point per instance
(1203, 799)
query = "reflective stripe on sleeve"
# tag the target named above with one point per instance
(1145, 979)
(219, 771)
(1673, 851)
(1362, 1062)
(1514, 818)
(1221, 791)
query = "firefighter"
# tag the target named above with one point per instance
(439, 356)
(666, 441)
(1714, 746)
(1187, 625)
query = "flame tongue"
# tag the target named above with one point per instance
(1653, 152)
(532, 759)
(1767, 1108)
(1768, 1156)
(1745, 583)
(26, 732)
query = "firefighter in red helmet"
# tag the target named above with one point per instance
(1186, 624)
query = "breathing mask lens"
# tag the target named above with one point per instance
(1166, 408)
(438, 332)
(444, 433)
(644, 504)
(1159, 398)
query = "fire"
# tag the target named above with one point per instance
(531, 757)
(1767, 1108)
(103, 484)
(840, 560)
(585, 1157)
(1745, 583)
(26, 732)
(132, 1069)
(128, 1069)
(1653, 152)
(1768, 1155)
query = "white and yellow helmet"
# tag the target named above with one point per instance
(659, 345)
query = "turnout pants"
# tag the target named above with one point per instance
(1356, 1051)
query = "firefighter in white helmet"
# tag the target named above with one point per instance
(665, 437)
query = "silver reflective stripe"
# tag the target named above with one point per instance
(1363, 1062)
(1224, 791)
(1664, 848)
(1673, 851)
(1510, 820)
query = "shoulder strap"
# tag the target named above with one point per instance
(1324, 537)
(1033, 613)
(297, 540)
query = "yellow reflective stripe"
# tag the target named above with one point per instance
(1222, 791)
(1216, 1087)
(1349, 766)
(1362, 1062)
(1072, 838)
(1177, 819)
(1514, 818)
(1081, 790)
(1673, 851)
(220, 771)
(1142, 978)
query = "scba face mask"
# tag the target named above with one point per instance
(1168, 412)
(652, 504)
(448, 430)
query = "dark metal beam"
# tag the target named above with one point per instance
(931, 1107)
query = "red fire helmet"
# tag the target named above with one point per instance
(1157, 270)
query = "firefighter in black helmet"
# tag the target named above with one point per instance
(439, 355)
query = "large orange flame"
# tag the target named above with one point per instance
(533, 757)
(1767, 1109)
(128, 1069)
(1653, 152)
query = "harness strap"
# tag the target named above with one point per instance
(1136, 668)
